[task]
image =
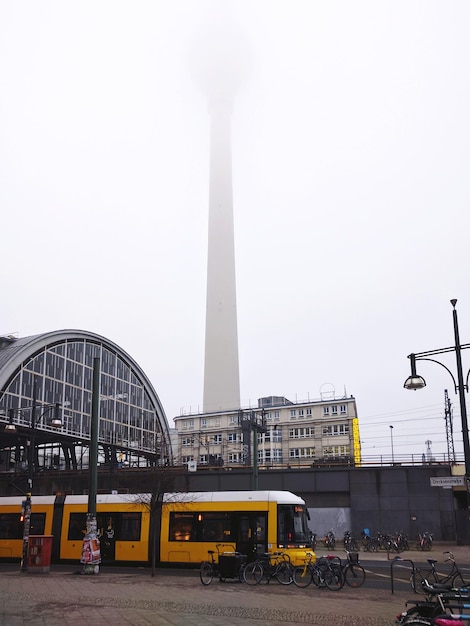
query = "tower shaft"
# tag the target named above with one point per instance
(221, 368)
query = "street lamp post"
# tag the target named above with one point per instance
(391, 440)
(460, 386)
(11, 428)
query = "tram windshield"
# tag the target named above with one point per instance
(292, 526)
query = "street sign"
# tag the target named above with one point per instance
(447, 481)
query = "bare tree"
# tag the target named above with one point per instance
(162, 480)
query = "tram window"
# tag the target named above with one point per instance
(37, 524)
(292, 525)
(200, 527)
(77, 526)
(10, 526)
(181, 526)
(130, 527)
(216, 527)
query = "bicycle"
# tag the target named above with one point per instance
(424, 541)
(439, 608)
(267, 566)
(369, 544)
(354, 575)
(211, 568)
(350, 543)
(326, 572)
(402, 540)
(453, 579)
(329, 540)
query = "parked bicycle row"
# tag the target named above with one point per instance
(446, 596)
(329, 571)
(390, 542)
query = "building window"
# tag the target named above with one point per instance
(301, 412)
(233, 437)
(203, 422)
(187, 441)
(334, 410)
(309, 412)
(276, 415)
(302, 453)
(301, 433)
(326, 410)
(234, 457)
(188, 424)
(187, 459)
(273, 434)
(217, 421)
(276, 435)
(343, 409)
(268, 416)
(293, 413)
(217, 439)
(335, 451)
(336, 429)
(233, 420)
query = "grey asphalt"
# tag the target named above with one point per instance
(132, 597)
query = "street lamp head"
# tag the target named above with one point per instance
(414, 382)
(56, 422)
(10, 428)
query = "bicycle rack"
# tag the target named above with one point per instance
(399, 561)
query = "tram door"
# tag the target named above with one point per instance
(252, 534)
(106, 527)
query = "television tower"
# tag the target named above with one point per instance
(223, 60)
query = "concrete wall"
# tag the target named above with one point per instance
(386, 499)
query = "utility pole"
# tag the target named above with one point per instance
(449, 427)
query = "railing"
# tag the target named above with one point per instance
(416, 460)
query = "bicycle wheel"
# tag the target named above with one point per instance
(334, 578)
(283, 573)
(318, 578)
(302, 575)
(458, 582)
(416, 579)
(253, 573)
(206, 573)
(354, 575)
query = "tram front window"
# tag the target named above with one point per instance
(292, 529)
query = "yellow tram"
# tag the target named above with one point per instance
(190, 524)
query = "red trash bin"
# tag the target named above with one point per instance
(39, 553)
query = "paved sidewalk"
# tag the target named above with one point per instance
(63, 597)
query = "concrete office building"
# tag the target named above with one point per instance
(277, 433)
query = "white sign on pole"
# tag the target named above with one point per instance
(447, 481)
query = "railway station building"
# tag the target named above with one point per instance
(46, 388)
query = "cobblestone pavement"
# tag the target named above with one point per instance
(63, 597)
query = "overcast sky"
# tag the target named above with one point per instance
(351, 155)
